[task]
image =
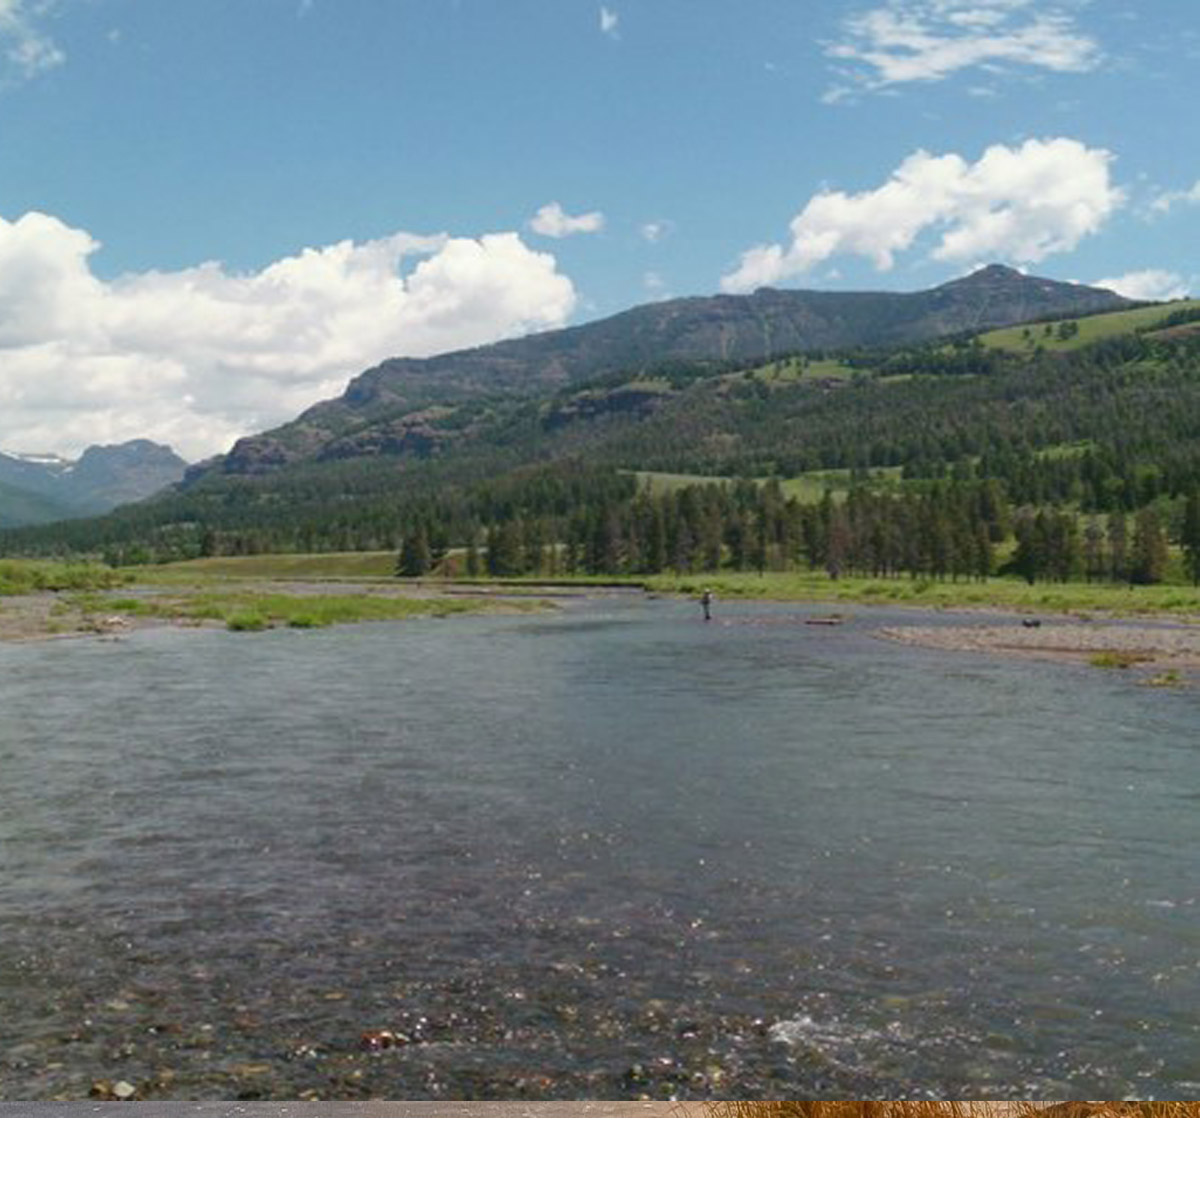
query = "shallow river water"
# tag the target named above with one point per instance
(608, 852)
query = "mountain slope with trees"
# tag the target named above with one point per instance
(419, 406)
(1070, 456)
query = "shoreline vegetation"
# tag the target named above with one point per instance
(40, 601)
(1154, 628)
(378, 568)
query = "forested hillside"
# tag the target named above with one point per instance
(952, 459)
(427, 406)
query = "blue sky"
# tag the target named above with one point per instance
(214, 212)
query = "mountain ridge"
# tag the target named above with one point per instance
(394, 407)
(36, 488)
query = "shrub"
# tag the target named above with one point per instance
(1118, 659)
(246, 622)
(308, 620)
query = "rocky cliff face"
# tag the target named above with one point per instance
(387, 410)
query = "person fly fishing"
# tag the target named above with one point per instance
(706, 603)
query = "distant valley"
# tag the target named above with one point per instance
(39, 488)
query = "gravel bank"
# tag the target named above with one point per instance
(1146, 646)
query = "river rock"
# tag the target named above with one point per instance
(383, 1039)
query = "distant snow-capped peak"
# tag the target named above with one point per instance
(52, 462)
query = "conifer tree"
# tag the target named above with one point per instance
(1147, 551)
(439, 547)
(414, 559)
(474, 565)
(837, 544)
(760, 545)
(985, 559)
(1093, 550)
(654, 544)
(1029, 557)
(504, 549)
(1148, 554)
(1118, 547)
(1191, 536)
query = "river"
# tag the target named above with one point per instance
(609, 852)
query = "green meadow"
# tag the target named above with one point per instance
(1025, 339)
(804, 370)
(379, 564)
(809, 487)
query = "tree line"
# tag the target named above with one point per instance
(943, 531)
(1033, 465)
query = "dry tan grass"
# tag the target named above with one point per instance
(843, 1108)
(1117, 1108)
(948, 1108)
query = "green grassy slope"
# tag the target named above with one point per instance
(807, 487)
(1025, 339)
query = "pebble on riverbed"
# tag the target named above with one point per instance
(103, 1089)
(383, 1039)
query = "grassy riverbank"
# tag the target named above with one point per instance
(794, 586)
(247, 611)
(46, 599)
(254, 589)
(20, 577)
(1014, 594)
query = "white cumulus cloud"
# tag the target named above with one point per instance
(552, 221)
(25, 49)
(201, 356)
(1019, 204)
(1150, 284)
(923, 41)
(609, 21)
(1165, 201)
